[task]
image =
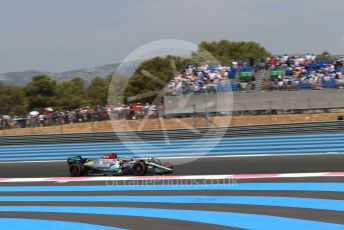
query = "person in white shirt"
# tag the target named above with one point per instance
(313, 57)
(285, 58)
(308, 57)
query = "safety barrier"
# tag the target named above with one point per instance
(277, 129)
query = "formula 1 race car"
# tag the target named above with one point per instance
(109, 164)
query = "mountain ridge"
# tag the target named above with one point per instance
(21, 78)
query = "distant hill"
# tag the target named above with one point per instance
(87, 74)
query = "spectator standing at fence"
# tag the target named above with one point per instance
(41, 118)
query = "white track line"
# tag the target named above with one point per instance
(21, 162)
(197, 157)
(169, 177)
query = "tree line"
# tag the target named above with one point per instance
(44, 92)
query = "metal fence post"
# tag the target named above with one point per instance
(31, 128)
(270, 111)
(194, 115)
(3, 127)
(61, 124)
(92, 123)
(206, 108)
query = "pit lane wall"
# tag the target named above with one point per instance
(255, 101)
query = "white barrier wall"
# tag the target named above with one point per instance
(253, 101)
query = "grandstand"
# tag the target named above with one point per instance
(282, 73)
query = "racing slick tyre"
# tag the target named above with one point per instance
(139, 168)
(75, 170)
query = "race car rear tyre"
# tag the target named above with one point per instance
(139, 168)
(75, 170)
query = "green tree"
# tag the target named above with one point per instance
(71, 94)
(97, 91)
(13, 100)
(117, 85)
(41, 92)
(226, 51)
(151, 76)
(324, 56)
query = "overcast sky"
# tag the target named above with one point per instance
(60, 35)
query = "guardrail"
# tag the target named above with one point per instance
(277, 129)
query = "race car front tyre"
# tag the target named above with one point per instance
(75, 170)
(139, 168)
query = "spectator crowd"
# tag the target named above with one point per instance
(50, 117)
(303, 72)
(284, 73)
(199, 79)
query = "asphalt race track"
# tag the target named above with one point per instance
(261, 182)
(209, 166)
